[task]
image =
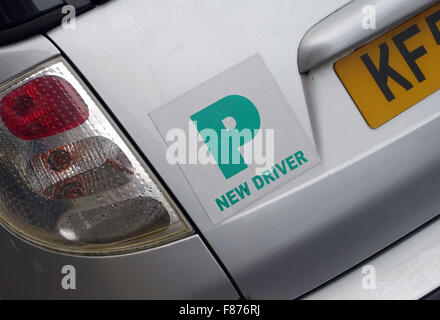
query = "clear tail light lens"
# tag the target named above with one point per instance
(69, 180)
(86, 167)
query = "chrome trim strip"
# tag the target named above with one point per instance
(342, 30)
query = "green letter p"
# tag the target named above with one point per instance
(246, 118)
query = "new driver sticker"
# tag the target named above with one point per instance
(235, 137)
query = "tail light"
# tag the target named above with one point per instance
(69, 180)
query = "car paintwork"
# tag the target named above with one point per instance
(372, 188)
(358, 201)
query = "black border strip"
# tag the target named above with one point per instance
(434, 295)
(40, 24)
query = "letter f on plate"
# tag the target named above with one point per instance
(211, 118)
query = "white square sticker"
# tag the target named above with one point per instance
(235, 137)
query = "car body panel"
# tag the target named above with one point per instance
(182, 270)
(357, 202)
(18, 57)
(406, 270)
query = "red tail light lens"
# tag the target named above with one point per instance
(43, 107)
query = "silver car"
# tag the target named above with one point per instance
(113, 184)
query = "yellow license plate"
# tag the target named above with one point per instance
(395, 71)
